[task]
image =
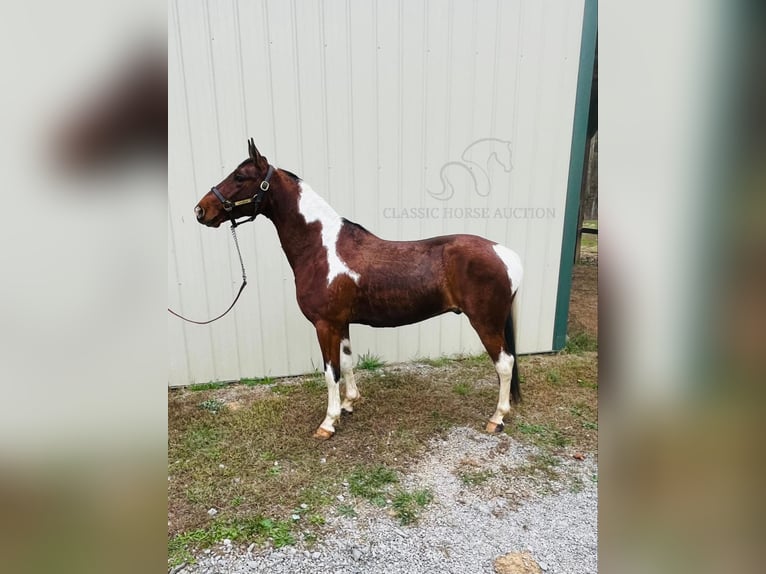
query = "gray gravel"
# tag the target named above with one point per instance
(462, 531)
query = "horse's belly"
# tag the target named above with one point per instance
(393, 308)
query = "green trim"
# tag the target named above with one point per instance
(574, 183)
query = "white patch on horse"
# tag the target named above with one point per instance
(504, 368)
(314, 208)
(512, 263)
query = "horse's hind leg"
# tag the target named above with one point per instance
(347, 371)
(504, 368)
(493, 338)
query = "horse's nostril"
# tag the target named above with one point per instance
(200, 212)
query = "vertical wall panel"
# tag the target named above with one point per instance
(461, 109)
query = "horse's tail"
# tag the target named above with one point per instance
(510, 341)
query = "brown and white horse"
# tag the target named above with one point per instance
(344, 274)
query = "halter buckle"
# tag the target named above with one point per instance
(265, 185)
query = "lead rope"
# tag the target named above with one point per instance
(242, 287)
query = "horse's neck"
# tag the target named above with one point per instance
(293, 214)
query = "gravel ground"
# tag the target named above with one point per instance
(465, 528)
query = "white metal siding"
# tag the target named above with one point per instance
(366, 101)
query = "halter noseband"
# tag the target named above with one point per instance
(256, 200)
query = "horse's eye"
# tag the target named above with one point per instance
(238, 177)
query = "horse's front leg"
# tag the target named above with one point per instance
(329, 342)
(347, 370)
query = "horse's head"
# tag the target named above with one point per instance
(503, 155)
(240, 194)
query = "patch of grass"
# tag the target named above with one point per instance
(576, 485)
(553, 376)
(474, 478)
(209, 386)
(586, 384)
(275, 471)
(347, 510)
(580, 343)
(369, 362)
(317, 520)
(253, 382)
(201, 440)
(545, 464)
(407, 504)
(543, 435)
(435, 362)
(181, 546)
(461, 389)
(315, 382)
(370, 483)
(590, 425)
(284, 390)
(530, 429)
(480, 360)
(212, 405)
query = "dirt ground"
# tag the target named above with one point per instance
(583, 302)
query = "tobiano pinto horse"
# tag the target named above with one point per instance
(344, 274)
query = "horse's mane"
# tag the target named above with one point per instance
(291, 174)
(356, 225)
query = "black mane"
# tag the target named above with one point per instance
(291, 174)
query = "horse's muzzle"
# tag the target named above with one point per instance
(200, 213)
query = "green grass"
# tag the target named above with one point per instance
(580, 343)
(480, 360)
(212, 405)
(373, 484)
(543, 463)
(370, 483)
(543, 435)
(553, 376)
(181, 546)
(406, 505)
(209, 386)
(347, 510)
(474, 478)
(435, 362)
(586, 384)
(369, 362)
(462, 389)
(253, 382)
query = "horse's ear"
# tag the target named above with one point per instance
(254, 155)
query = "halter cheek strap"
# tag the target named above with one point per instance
(256, 200)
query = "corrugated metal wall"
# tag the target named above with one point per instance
(380, 106)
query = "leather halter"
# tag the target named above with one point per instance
(256, 200)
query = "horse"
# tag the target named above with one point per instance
(345, 274)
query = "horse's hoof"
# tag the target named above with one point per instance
(322, 434)
(345, 412)
(495, 428)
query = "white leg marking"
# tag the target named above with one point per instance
(314, 208)
(513, 265)
(333, 400)
(346, 369)
(504, 368)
